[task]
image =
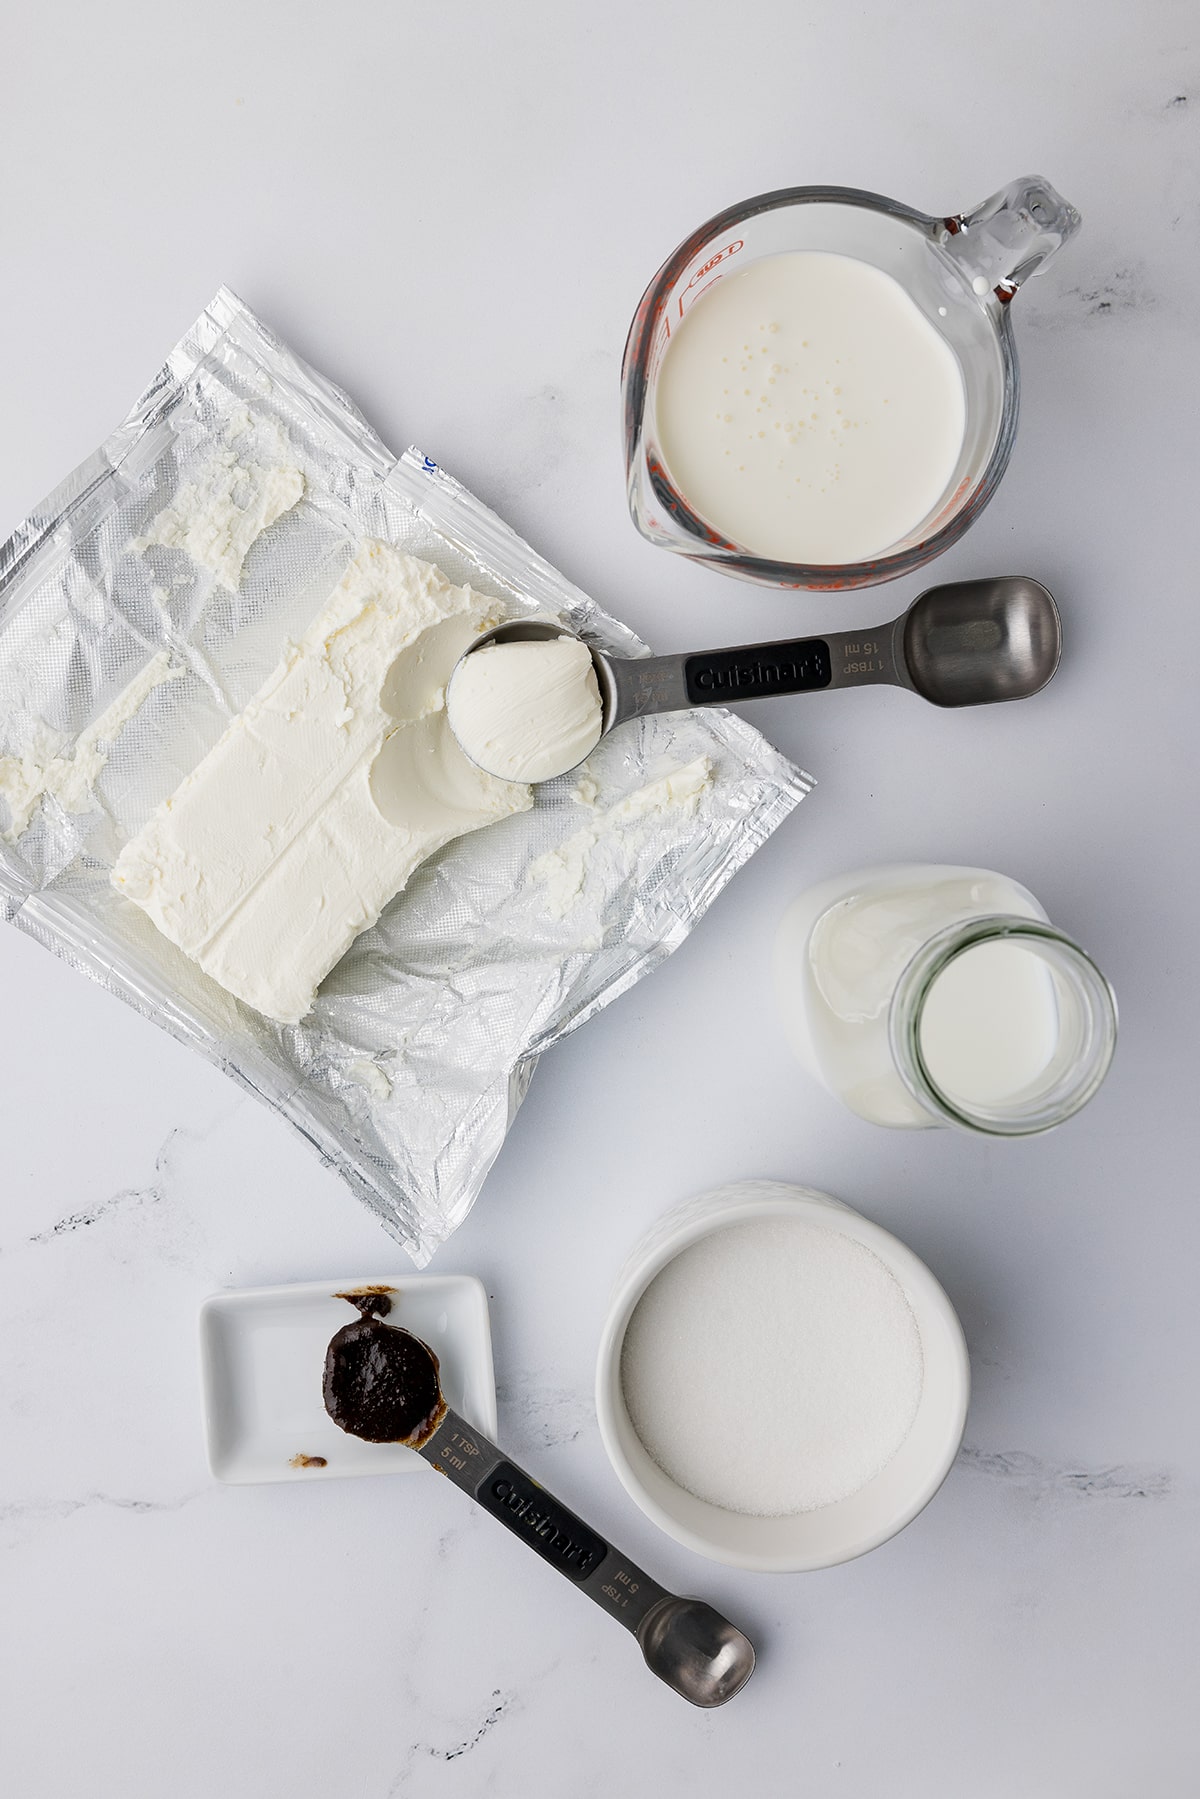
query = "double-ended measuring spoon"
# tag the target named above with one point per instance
(382, 1383)
(968, 643)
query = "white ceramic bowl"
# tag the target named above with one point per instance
(831, 1533)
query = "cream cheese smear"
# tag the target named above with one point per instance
(326, 793)
(71, 778)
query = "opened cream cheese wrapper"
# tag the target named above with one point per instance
(242, 546)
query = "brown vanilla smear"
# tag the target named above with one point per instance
(381, 1382)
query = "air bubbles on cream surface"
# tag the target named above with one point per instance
(809, 410)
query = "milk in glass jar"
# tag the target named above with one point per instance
(925, 995)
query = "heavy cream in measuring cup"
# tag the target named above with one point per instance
(927, 994)
(809, 411)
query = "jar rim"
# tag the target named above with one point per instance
(912, 990)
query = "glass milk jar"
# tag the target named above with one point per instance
(926, 995)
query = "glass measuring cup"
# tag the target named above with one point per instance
(962, 272)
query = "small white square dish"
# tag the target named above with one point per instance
(262, 1354)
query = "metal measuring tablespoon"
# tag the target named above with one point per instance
(382, 1383)
(968, 643)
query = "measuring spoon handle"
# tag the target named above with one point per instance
(756, 671)
(655, 1617)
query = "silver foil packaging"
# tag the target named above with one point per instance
(420, 1047)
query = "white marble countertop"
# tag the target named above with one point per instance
(453, 210)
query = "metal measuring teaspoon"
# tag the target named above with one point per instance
(382, 1383)
(968, 643)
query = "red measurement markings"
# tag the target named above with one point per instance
(707, 268)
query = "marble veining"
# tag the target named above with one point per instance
(1126, 289)
(541, 1416)
(489, 1721)
(74, 1221)
(1034, 1476)
(21, 1519)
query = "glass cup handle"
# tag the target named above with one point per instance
(1007, 238)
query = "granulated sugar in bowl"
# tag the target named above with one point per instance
(781, 1383)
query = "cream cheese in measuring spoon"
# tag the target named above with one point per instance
(526, 711)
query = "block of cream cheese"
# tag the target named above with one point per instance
(339, 778)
